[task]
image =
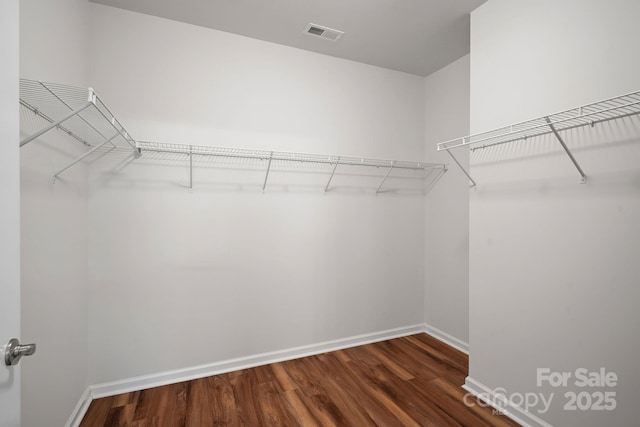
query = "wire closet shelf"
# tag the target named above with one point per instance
(78, 112)
(81, 114)
(283, 156)
(586, 115)
(292, 158)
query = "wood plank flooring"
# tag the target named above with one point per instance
(409, 381)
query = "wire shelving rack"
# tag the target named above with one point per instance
(82, 115)
(332, 162)
(586, 115)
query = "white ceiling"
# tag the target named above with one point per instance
(414, 36)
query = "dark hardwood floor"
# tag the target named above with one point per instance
(409, 381)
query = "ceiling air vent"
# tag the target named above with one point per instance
(324, 32)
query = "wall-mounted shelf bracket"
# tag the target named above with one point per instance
(583, 177)
(333, 172)
(266, 176)
(54, 124)
(472, 183)
(190, 167)
(88, 153)
(385, 177)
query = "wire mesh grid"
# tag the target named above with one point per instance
(92, 124)
(590, 114)
(81, 114)
(111, 125)
(331, 171)
(280, 157)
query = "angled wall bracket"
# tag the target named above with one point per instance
(333, 172)
(266, 176)
(385, 177)
(472, 183)
(583, 177)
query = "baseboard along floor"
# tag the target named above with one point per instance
(408, 381)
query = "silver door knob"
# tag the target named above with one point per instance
(14, 351)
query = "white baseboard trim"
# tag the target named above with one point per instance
(171, 377)
(201, 371)
(81, 408)
(516, 413)
(447, 339)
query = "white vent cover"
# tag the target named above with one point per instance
(323, 32)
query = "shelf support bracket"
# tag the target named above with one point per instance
(97, 147)
(264, 184)
(55, 124)
(583, 177)
(190, 167)
(112, 121)
(473, 183)
(326, 188)
(385, 178)
(43, 116)
(92, 98)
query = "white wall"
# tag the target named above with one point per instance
(53, 47)
(447, 204)
(181, 278)
(553, 264)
